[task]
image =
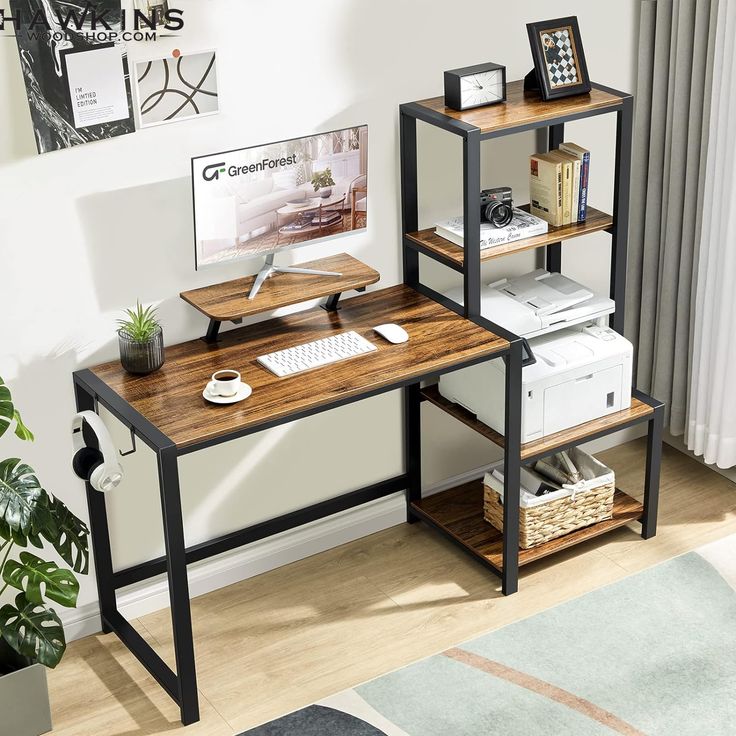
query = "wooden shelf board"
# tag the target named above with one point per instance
(229, 301)
(459, 513)
(523, 109)
(638, 411)
(446, 250)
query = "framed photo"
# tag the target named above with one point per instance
(559, 59)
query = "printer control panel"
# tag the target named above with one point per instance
(601, 333)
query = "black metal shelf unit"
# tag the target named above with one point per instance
(473, 129)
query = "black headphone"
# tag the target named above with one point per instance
(95, 458)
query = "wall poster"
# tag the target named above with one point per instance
(78, 86)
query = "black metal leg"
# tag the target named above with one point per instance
(512, 471)
(621, 193)
(181, 617)
(471, 214)
(331, 304)
(409, 197)
(554, 250)
(412, 447)
(213, 331)
(100, 532)
(652, 472)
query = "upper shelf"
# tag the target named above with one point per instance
(229, 301)
(437, 247)
(524, 110)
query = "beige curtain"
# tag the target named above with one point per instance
(676, 50)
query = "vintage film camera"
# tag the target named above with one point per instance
(497, 206)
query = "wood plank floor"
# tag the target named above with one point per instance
(292, 636)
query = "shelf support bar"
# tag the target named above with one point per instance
(471, 214)
(409, 197)
(332, 301)
(652, 473)
(554, 250)
(621, 193)
(512, 470)
(412, 448)
(213, 331)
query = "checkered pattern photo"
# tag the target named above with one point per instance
(561, 63)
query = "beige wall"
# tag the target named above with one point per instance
(86, 232)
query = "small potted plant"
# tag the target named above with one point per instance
(323, 182)
(31, 633)
(141, 341)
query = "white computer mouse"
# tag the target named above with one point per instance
(392, 333)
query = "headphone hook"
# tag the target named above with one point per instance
(132, 440)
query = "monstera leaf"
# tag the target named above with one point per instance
(8, 414)
(37, 579)
(33, 631)
(24, 505)
(69, 535)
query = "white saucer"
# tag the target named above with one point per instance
(243, 393)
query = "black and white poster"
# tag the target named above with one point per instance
(77, 81)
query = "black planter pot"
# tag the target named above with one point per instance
(141, 357)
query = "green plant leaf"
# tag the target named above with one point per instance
(9, 414)
(37, 578)
(24, 506)
(7, 410)
(33, 631)
(69, 535)
(141, 324)
(21, 430)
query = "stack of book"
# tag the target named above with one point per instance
(558, 185)
(524, 225)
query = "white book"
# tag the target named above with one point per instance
(522, 226)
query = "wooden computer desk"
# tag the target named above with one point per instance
(166, 411)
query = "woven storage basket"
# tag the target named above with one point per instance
(559, 513)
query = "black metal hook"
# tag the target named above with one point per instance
(132, 439)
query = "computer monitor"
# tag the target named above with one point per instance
(260, 200)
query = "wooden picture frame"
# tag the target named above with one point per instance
(559, 59)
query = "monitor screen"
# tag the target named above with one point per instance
(259, 200)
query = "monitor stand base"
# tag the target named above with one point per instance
(269, 269)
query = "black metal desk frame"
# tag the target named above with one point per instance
(91, 392)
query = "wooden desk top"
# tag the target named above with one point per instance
(171, 398)
(229, 301)
(523, 108)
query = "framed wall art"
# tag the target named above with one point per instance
(559, 59)
(178, 87)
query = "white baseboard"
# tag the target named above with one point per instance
(281, 549)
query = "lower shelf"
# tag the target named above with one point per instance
(459, 513)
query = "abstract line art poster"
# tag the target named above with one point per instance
(178, 87)
(44, 57)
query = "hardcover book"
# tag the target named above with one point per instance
(546, 187)
(583, 155)
(524, 225)
(567, 170)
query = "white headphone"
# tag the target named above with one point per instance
(96, 464)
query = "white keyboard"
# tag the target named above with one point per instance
(314, 354)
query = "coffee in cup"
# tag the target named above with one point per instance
(225, 383)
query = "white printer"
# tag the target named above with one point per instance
(580, 374)
(538, 303)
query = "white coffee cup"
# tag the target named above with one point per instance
(225, 383)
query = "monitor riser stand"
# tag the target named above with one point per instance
(269, 269)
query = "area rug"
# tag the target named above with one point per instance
(653, 654)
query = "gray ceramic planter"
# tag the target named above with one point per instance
(24, 702)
